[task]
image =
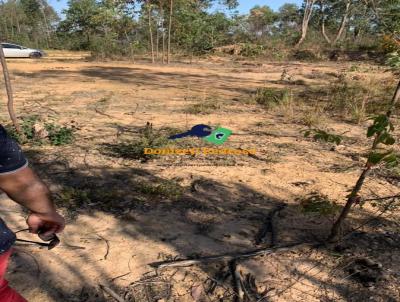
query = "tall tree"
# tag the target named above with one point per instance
(261, 19)
(308, 10)
(149, 9)
(334, 10)
(171, 9)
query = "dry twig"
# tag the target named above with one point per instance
(237, 281)
(107, 246)
(112, 293)
(228, 257)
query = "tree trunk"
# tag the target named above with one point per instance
(169, 31)
(17, 19)
(157, 41)
(338, 225)
(46, 25)
(323, 23)
(10, 103)
(132, 54)
(308, 9)
(343, 23)
(150, 32)
(162, 30)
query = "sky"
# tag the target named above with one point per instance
(244, 7)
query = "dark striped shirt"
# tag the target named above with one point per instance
(11, 160)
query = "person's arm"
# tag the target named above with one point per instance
(26, 188)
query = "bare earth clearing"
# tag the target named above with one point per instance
(187, 206)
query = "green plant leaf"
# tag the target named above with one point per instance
(375, 157)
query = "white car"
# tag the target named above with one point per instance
(17, 51)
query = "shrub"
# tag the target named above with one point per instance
(354, 99)
(319, 204)
(59, 135)
(252, 50)
(36, 131)
(135, 149)
(271, 97)
(390, 44)
(305, 55)
(393, 60)
(205, 107)
(321, 135)
(166, 188)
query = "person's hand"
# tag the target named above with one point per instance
(45, 224)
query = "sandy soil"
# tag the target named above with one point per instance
(222, 201)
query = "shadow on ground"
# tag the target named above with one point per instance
(204, 218)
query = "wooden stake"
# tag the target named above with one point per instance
(7, 82)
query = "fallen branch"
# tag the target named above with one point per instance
(237, 281)
(385, 209)
(381, 198)
(111, 293)
(102, 113)
(228, 257)
(107, 246)
(120, 276)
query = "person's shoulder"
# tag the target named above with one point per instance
(11, 157)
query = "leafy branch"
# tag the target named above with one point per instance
(321, 135)
(381, 130)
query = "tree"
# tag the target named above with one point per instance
(171, 9)
(261, 19)
(329, 7)
(308, 9)
(79, 20)
(148, 4)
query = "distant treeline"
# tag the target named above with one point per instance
(126, 28)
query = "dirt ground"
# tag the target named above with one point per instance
(173, 207)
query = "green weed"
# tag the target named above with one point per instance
(272, 97)
(319, 204)
(305, 55)
(205, 107)
(135, 149)
(166, 188)
(355, 99)
(36, 131)
(323, 136)
(393, 60)
(58, 135)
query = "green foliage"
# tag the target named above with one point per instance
(27, 21)
(27, 126)
(393, 60)
(271, 97)
(204, 107)
(305, 55)
(261, 20)
(355, 99)
(321, 135)
(56, 135)
(59, 135)
(382, 129)
(319, 204)
(381, 126)
(135, 149)
(252, 50)
(166, 188)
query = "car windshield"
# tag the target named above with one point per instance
(7, 45)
